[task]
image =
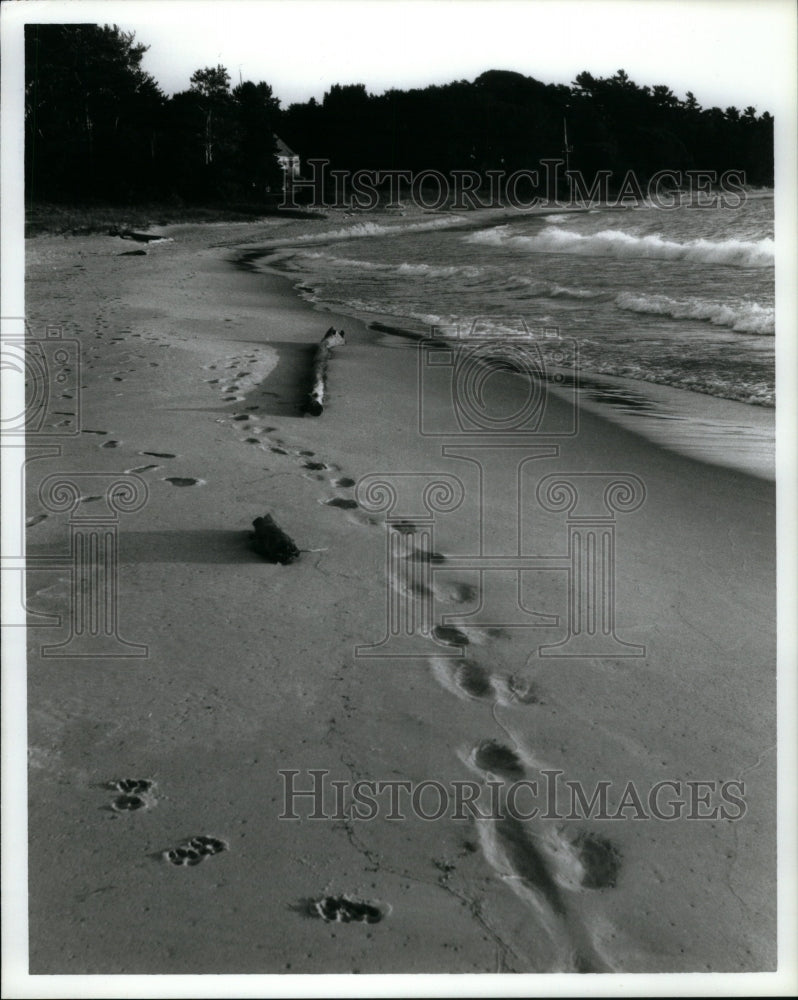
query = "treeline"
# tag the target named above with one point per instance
(99, 127)
(506, 121)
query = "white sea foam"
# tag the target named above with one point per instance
(616, 243)
(403, 270)
(562, 217)
(361, 229)
(745, 317)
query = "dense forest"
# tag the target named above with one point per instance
(98, 127)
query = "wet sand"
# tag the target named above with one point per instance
(195, 374)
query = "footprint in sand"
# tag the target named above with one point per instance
(343, 910)
(316, 466)
(143, 468)
(492, 756)
(195, 850)
(511, 849)
(35, 519)
(343, 503)
(450, 635)
(450, 592)
(404, 527)
(135, 793)
(600, 860)
(157, 454)
(554, 857)
(466, 679)
(183, 481)
(524, 692)
(345, 482)
(110, 444)
(418, 555)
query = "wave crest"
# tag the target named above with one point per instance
(616, 243)
(745, 317)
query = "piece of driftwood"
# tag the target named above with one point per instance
(318, 393)
(271, 542)
(129, 234)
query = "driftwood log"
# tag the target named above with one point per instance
(318, 393)
(271, 542)
(130, 234)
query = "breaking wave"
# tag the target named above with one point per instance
(616, 243)
(360, 229)
(402, 270)
(746, 317)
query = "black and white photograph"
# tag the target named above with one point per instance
(399, 498)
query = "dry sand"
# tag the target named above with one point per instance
(250, 666)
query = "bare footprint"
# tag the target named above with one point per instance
(342, 502)
(474, 680)
(457, 593)
(418, 555)
(600, 860)
(404, 527)
(450, 635)
(490, 755)
(465, 679)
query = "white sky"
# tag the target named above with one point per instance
(737, 52)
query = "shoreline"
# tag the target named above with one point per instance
(250, 667)
(713, 429)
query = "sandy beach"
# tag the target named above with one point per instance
(194, 375)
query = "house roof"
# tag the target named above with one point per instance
(282, 149)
